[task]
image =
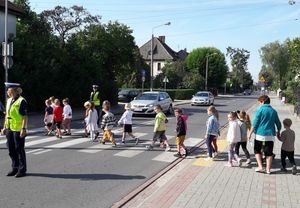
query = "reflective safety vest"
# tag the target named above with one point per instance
(96, 99)
(13, 116)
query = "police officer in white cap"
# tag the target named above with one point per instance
(15, 129)
(95, 97)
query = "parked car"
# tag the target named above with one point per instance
(145, 102)
(127, 95)
(247, 92)
(203, 98)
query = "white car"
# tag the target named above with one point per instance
(145, 102)
(203, 98)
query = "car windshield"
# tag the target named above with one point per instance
(147, 96)
(123, 92)
(202, 94)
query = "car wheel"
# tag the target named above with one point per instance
(192, 104)
(170, 110)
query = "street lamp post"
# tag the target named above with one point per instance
(151, 62)
(206, 69)
(5, 45)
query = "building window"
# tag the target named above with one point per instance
(158, 66)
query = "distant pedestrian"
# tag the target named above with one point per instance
(180, 134)
(126, 120)
(67, 117)
(244, 130)
(58, 118)
(287, 137)
(266, 118)
(107, 124)
(95, 98)
(233, 137)
(48, 117)
(159, 128)
(91, 122)
(15, 125)
(212, 131)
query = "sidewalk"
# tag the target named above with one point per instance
(194, 182)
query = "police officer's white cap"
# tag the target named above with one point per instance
(95, 86)
(11, 85)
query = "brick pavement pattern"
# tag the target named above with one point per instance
(189, 185)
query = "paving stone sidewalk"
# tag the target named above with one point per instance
(195, 182)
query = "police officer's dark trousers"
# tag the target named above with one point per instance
(15, 145)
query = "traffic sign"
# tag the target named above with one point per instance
(262, 79)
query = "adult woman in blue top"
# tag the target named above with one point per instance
(266, 118)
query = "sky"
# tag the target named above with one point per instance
(248, 24)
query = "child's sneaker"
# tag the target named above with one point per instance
(239, 162)
(137, 141)
(149, 147)
(168, 148)
(294, 170)
(177, 154)
(248, 162)
(123, 142)
(283, 170)
(103, 142)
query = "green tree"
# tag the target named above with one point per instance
(65, 21)
(217, 68)
(239, 64)
(275, 56)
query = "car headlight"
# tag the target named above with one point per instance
(149, 105)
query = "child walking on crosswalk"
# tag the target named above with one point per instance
(108, 122)
(180, 134)
(126, 120)
(159, 128)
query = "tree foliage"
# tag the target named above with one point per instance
(276, 57)
(217, 68)
(93, 54)
(65, 20)
(241, 78)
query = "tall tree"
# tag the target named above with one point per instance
(217, 68)
(65, 21)
(276, 57)
(239, 65)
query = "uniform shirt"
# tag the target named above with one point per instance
(23, 107)
(288, 140)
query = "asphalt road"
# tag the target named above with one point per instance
(74, 172)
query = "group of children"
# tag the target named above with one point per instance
(239, 124)
(57, 116)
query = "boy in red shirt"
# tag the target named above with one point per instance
(58, 117)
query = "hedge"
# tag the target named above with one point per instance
(178, 94)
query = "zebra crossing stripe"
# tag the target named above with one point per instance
(95, 148)
(41, 152)
(32, 151)
(133, 151)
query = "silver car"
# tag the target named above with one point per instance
(203, 98)
(145, 102)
